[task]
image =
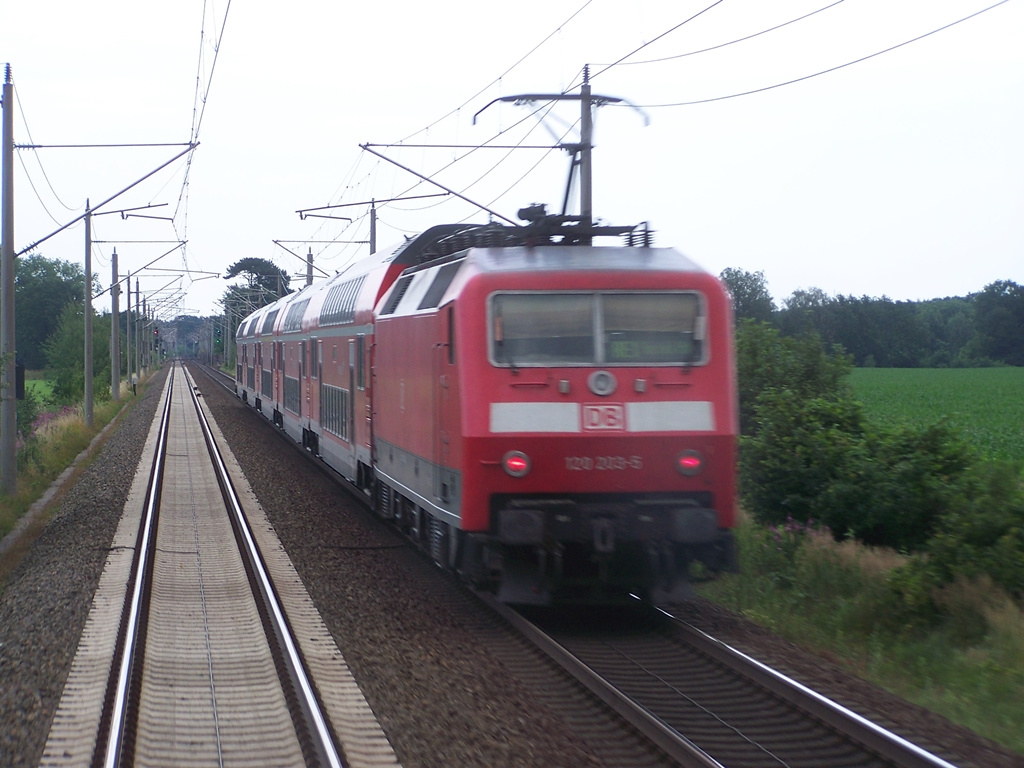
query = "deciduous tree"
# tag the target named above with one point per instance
(999, 314)
(42, 288)
(751, 298)
(65, 358)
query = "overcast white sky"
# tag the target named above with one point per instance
(901, 175)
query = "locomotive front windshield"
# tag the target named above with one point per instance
(573, 329)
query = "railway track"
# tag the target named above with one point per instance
(205, 667)
(704, 703)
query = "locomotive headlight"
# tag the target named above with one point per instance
(516, 463)
(690, 463)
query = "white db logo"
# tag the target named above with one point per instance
(604, 417)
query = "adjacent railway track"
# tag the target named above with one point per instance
(205, 668)
(705, 703)
(139, 699)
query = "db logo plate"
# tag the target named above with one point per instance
(609, 417)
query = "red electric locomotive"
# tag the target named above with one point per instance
(554, 419)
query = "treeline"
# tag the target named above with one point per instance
(49, 308)
(978, 330)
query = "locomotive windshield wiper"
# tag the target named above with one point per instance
(508, 358)
(499, 341)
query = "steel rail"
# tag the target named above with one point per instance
(320, 732)
(129, 631)
(217, 376)
(671, 742)
(871, 736)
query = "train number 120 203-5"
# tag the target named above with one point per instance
(602, 463)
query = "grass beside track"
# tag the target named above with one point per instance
(42, 458)
(834, 599)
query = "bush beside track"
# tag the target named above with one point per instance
(809, 453)
(898, 547)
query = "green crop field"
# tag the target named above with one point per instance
(986, 403)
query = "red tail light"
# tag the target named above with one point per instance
(690, 463)
(516, 463)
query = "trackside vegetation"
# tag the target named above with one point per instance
(50, 437)
(894, 544)
(847, 602)
(51, 434)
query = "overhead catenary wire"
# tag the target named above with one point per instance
(623, 63)
(456, 110)
(531, 169)
(204, 81)
(28, 132)
(503, 131)
(197, 120)
(812, 75)
(198, 112)
(508, 71)
(39, 197)
(650, 42)
(423, 178)
(663, 17)
(439, 184)
(509, 154)
(39, 242)
(473, 150)
(354, 183)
